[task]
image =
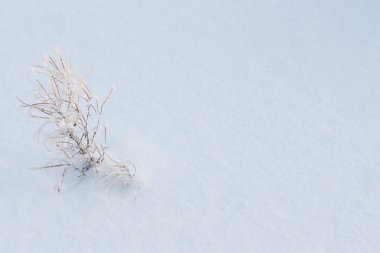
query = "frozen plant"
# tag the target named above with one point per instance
(71, 117)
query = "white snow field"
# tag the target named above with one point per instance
(254, 126)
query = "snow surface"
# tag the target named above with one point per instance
(254, 126)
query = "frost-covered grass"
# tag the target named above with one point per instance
(71, 127)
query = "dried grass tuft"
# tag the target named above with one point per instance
(71, 115)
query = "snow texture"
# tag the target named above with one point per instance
(254, 126)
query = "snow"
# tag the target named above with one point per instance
(253, 125)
